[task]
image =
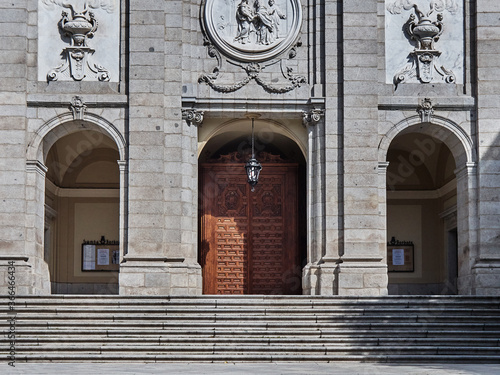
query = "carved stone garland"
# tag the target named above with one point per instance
(426, 33)
(79, 27)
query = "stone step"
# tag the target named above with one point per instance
(177, 311)
(275, 301)
(251, 328)
(165, 323)
(295, 357)
(263, 334)
(339, 340)
(238, 319)
(247, 349)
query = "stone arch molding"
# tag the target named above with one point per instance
(64, 124)
(273, 125)
(458, 141)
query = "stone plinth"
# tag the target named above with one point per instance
(159, 277)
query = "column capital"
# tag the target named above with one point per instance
(193, 116)
(36, 166)
(466, 170)
(312, 116)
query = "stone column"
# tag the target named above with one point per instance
(21, 190)
(466, 226)
(162, 247)
(312, 274)
(123, 225)
(35, 228)
(362, 269)
(143, 270)
(181, 160)
(486, 273)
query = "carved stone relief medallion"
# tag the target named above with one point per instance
(252, 30)
(253, 35)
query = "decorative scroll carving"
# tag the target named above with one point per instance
(426, 110)
(253, 70)
(312, 117)
(78, 108)
(79, 27)
(421, 29)
(192, 116)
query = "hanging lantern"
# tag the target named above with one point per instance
(252, 166)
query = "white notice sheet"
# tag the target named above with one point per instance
(102, 257)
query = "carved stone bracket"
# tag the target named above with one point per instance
(193, 117)
(78, 108)
(79, 27)
(425, 109)
(312, 117)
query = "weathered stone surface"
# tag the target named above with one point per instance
(347, 54)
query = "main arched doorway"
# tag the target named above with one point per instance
(252, 242)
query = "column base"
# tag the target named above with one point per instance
(345, 278)
(485, 278)
(320, 279)
(151, 277)
(362, 278)
(29, 276)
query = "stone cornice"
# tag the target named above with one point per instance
(63, 100)
(282, 108)
(396, 103)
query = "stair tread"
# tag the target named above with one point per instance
(212, 328)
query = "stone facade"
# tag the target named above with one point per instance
(392, 103)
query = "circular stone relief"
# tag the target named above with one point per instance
(252, 30)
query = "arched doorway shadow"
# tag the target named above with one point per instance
(429, 201)
(81, 191)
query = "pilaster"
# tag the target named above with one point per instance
(362, 269)
(486, 271)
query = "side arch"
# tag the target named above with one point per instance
(447, 131)
(461, 145)
(95, 127)
(64, 124)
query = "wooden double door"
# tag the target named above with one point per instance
(249, 241)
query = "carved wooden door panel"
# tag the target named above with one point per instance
(248, 240)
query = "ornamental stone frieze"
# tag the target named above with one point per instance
(434, 28)
(70, 52)
(253, 35)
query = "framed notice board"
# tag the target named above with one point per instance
(400, 256)
(100, 256)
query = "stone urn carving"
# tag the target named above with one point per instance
(426, 33)
(79, 27)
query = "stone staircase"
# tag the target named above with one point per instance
(254, 328)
